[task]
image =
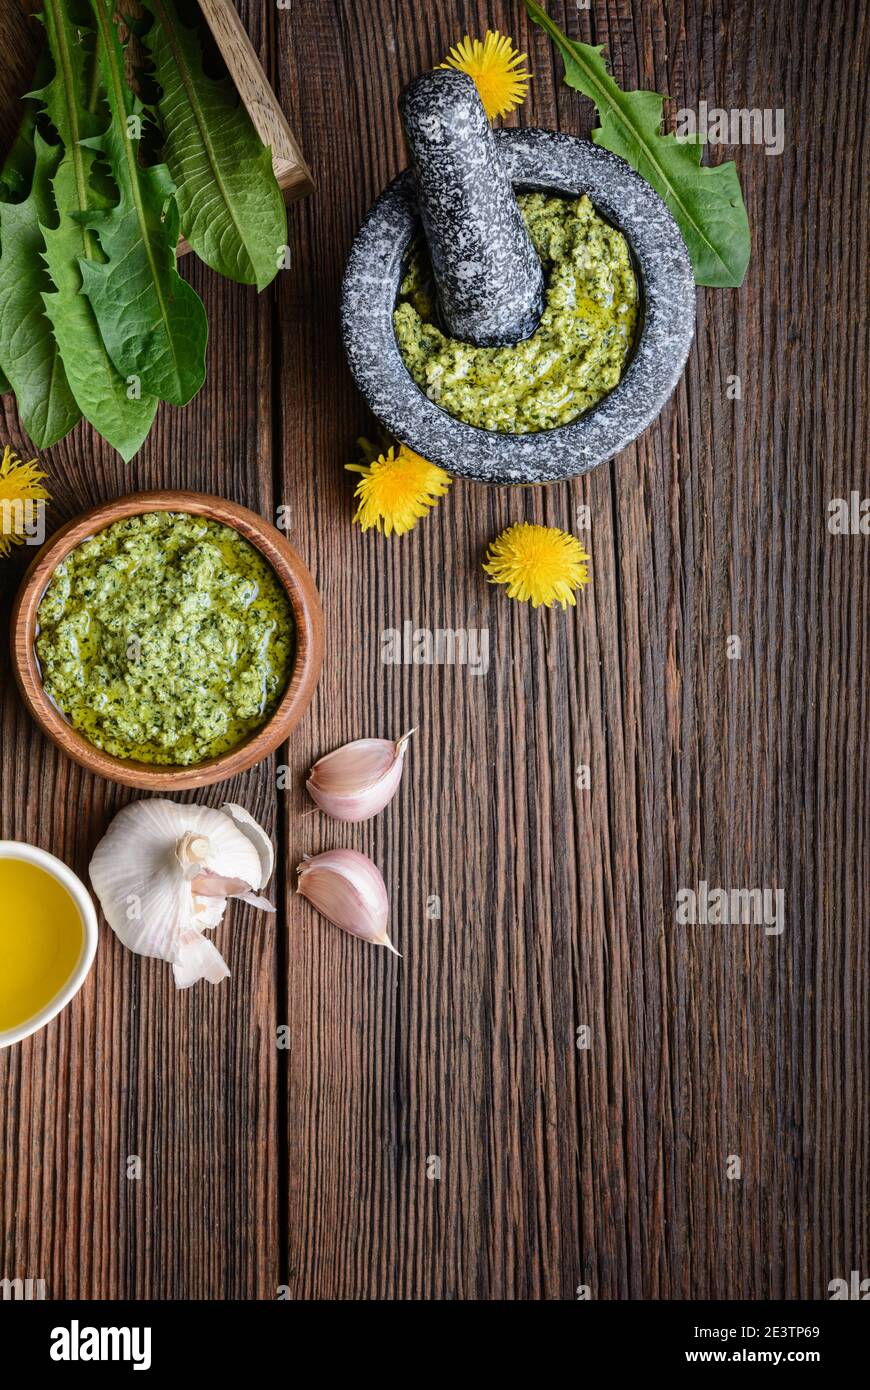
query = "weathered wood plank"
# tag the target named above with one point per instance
(606, 1166)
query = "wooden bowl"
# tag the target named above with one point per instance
(288, 567)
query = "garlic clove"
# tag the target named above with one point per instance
(357, 781)
(208, 884)
(348, 889)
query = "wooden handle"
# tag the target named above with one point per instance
(291, 171)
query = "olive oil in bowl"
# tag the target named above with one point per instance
(47, 938)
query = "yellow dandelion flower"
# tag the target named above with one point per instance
(495, 66)
(540, 564)
(20, 484)
(396, 489)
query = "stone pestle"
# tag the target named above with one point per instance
(489, 278)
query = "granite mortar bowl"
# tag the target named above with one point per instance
(537, 161)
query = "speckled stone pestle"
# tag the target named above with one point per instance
(490, 280)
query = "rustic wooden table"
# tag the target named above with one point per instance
(431, 1128)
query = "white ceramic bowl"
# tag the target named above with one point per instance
(28, 854)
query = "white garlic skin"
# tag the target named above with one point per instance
(163, 872)
(349, 889)
(358, 780)
(254, 832)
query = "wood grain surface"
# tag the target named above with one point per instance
(333, 1122)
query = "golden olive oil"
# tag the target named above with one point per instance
(41, 937)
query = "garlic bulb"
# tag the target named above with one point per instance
(163, 873)
(348, 889)
(357, 781)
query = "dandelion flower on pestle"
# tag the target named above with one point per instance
(496, 67)
(539, 564)
(20, 485)
(396, 489)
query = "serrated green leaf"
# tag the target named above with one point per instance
(231, 209)
(29, 354)
(100, 392)
(14, 179)
(67, 99)
(99, 389)
(152, 322)
(706, 202)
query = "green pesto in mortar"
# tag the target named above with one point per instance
(576, 354)
(166, 638)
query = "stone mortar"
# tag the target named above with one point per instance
(542, 161)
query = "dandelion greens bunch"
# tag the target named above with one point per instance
(95, 320)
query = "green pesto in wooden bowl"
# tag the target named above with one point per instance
(166, 638)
